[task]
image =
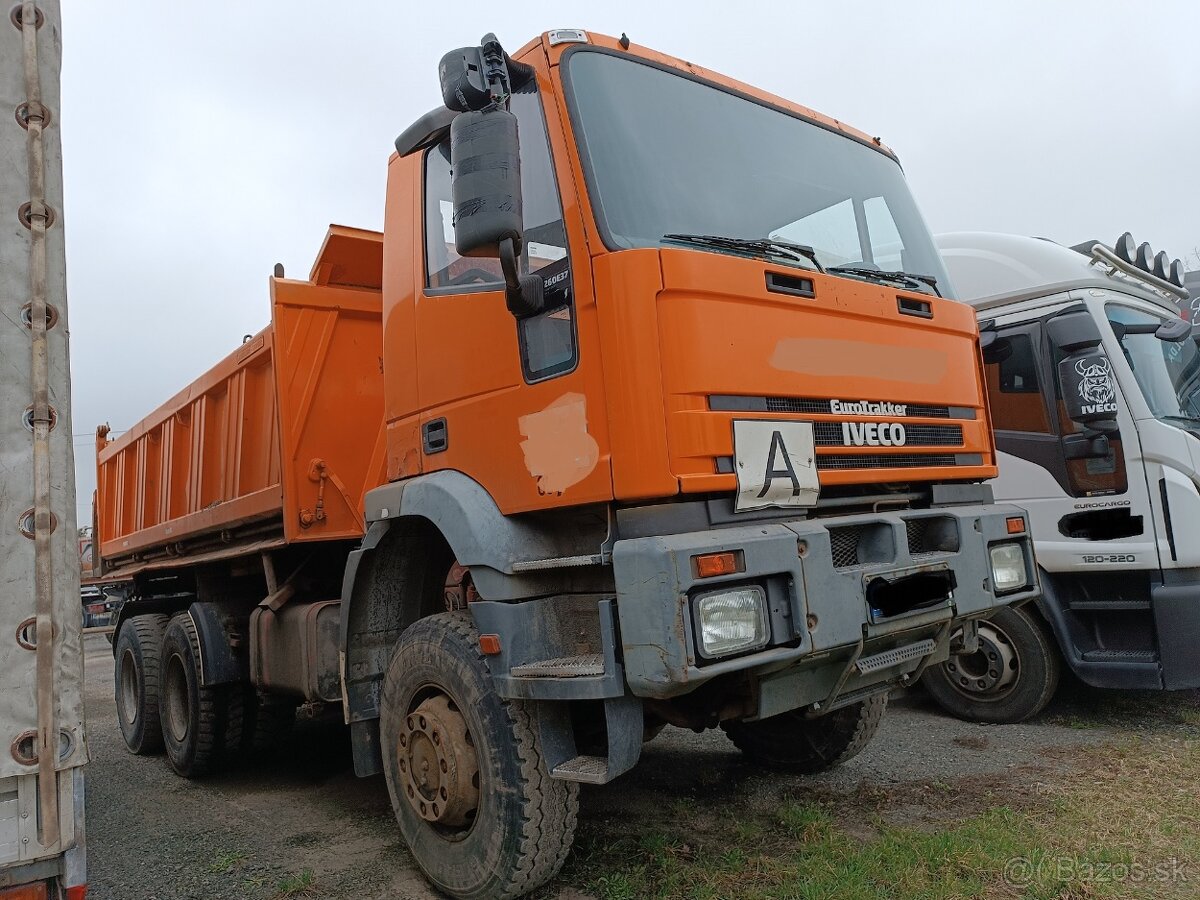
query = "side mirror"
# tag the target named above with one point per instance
(1174, 330)
(485, 164)
(1073, 331)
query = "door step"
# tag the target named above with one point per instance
(587, 665)
(895, 656)
(1140, 656)
(588, 769)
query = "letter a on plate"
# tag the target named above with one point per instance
(775, 464)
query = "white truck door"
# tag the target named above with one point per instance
(1088, 511)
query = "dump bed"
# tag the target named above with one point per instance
(275, 444)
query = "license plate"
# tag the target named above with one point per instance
(775, 464)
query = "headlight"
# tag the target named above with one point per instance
(1008, 567)
(730, 621)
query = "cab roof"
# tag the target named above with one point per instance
(989, 270)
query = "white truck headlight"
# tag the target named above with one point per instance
(1008, 567)
(731, 621)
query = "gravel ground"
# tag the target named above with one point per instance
(252, 833)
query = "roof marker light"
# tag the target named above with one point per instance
(567, 36)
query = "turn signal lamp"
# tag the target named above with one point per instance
(1016, 525)
(709, 565)
(489, 644)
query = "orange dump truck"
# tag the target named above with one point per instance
(645, 408)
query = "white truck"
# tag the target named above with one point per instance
(42, 745)
(1094, 388)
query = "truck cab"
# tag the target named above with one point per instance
(646, 408)
(1094, 389)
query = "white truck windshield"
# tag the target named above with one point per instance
(669, 154)
(1168, 373)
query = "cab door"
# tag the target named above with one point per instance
(515, 403)
(1088, 511)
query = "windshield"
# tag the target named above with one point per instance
(665, 154)
(1168, 373)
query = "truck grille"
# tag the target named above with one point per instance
(835, 461)
(843, 546)
(822, 407)
(893, 460)
(830, 434)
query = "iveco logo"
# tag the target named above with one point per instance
(867, 408)
(873, 434)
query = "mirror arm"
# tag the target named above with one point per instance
(522, 293)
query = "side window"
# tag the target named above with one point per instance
(443, 266)
(1014, 388)
(547, 340)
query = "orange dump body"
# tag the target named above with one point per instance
(277, 443)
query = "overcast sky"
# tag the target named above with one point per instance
(206, 141)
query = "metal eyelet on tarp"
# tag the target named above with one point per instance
(51, 315)
(16, 18)
(26, 214)
(27, 634)
(27, 526)
(27, 417)
(24, 747)
(25, 112)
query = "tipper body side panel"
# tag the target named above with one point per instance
(277, 442)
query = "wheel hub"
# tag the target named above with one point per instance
(992, 669)
(439, 770)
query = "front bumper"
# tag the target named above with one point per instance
(832, 637)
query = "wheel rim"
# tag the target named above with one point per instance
(438, 765)
(990, 673)
(178, 707)
(129, 687)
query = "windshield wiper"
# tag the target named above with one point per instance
(908, 278)
(1191, 420)
(758, 246)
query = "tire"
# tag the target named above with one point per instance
(506, 825)
(1012, 692)
(195, 719)
(136, 681)
(793, 742)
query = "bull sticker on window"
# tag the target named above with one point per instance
(775, 464)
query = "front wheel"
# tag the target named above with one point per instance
(464, 768)
(1011, 677)
(794, 742)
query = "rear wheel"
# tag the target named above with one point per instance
(195, 719)
(1011, 677)
(136, 682)
(468, 783)
(794, 742)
